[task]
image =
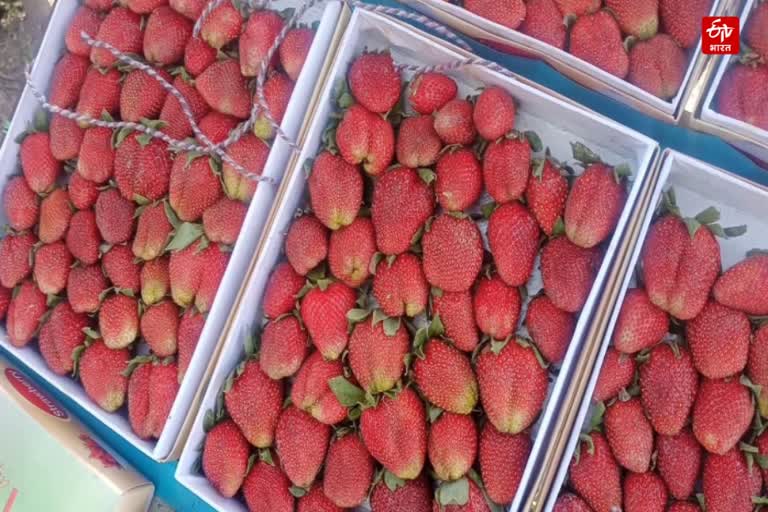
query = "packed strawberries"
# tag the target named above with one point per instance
(116, 243)
(392, 362)
(681, 394)
(647, 42)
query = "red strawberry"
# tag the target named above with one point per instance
(513, 386)
(494, 113)
(550, 327)
(267, 489)
(311, 392)
(639, 19)
(16, 258)
(324, 313)
(225, 89)
(52, 262)
(100, 93)
(641, 325)
(459, 180)
(502, 460)
(458, 318)
(335, 190)
(400, 287)
(417, 142)
(375, 82)
(680, 19)
(281, 291)
(82, 193)
(250, 152)
(24, 314)
(114, 217)
(617, 373)
(283, 347)
(453, 253)
(506, 166)
(475, 503)
(678, 462)
(294, 49)
(544, 21)
(143, 168)
(216, 126)
(593, 206)
(277, 94)
(757, 367)
(96, 158)
(430, 91)
(190, 327)
(176, 122)
(101, 373)
(142, 96)
(222, 221)
(138, 400)
(159, 326)
(344, 487)
(189, 8)
(568, 271)
(376, 359)
(509, 13)
(119, 321)
(728, 482)
(55, 215)
(316, 501)
(67, 79)
(595, 475)
(143, 6)
(84, 286)
(351, 250)
(165, 36)
(152, 232)
(198, 55)
(513, 237)
(722, 414)
(658, 66)
(571, 503)
(644, 492)
(20, 204)
(497, 308)
(596, 38)
(453, 122)
(122, 29)
(306, 244)
(742, 95)
(366, 138)
(578, 7)
(744, 286)
(193, 186)
(445, 378)
(402, 203)
(719, 338)
(163, 388)
(301, 442)
(38, 164)
(222, 26)
(214, 260)
(452, 445)
(415, 496)
(757, 29)
(683, 506)
(395, 434)
(254, 402)
(261, 31)
(225, 458)
(66, 137)
(629, 434)
(85, 20)
(668, 382)
(5, 300)
(184, 271)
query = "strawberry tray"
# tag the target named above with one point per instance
(557, 122)
(168, 445)
(696, 186)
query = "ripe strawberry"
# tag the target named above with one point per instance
(176, 122)
(159, 326)
(67, 79)
(216, 126)
(722, 414)
(198, 55)
(66, 137)
(5, 300)
(100, 93)
(459, 180)
(757, 367)
(728, 482)
(311, 393)
(375, 82)
(190, 327)
(165, 36)
(660, 76)
(225, 458)
(283, 347)
(24, 313)
(254, 402)
(476, 502)
(266, 488)
(214, 260)
(742, 95)
(143, 6)
(506, 166)
(402, 203)
(454, 124)
(452, 445)
(668, 382)
(16, 258)
(494, 113)
(593, 206)
(142, 169)
(335, 190)
(101, 373)
(502, 460)
(417, 142)
(225, 89)
(142, 96)
(301, 442)
(189, 8)
(395, 434)
(546, 195)
(85, 20)
(757, 31)
(596, 38)
(82, 193)
(680, 19)
(678, 462)
(571, 503)
(138, 400)
(639, 19)
(294, 49)
(119, 321)
(617, 373)
(567, 272)
(38, 164)
(415, 496)
(644, 492)
(629, 435)
(719, 338)
(513, 386)
(513, 237)
(578, 7)
(324, 313)
(550, 327)
(453, 253)
(683, 506)
(348, 488)
(277, 94)
(744, 286)
(250, 152)
(163, 388)
(122, 29)
(509, 13)
(641, 325)
(497, 307)
(400, 287)
(366, 138)
(222, 221)
(282, 288)
(52, 262)
(223, 26)
(152, 232)
(114, 217)
(350, 252)
(96, 158)
(458, 317)
(595, 475)
(20, 204)
(193, 186)
(429, 92)
(261, 31)
(316, 501)
(377, 360)
(445, 378)
(84, 286)
(306, 244)
(544, 21)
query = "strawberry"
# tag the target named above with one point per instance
(24, 314)
(761, 442)
(544, 22)
(453, 253)
(311, 393)
(658, 66)
(578, 7)
(343, 487)
(366, 138)
(719, 338)
(728, 482)
(142, 96)
(722, 414)
(184, 272)
(458, 318)
(678, 462)
(66, 137)
(596, 38)
(513, 386)
(198, 55)
(513, 237)
(143, 168)
(85, 20)
(267, 489)
(306, 244)
(16, 258)
(683, 506)
(508, 13)
(222, 26)
(225, 89)
(742, 95)
(375, 82)
(96, 158)
(506, 166)
(165, 36)
(67, 79)
(640, 325)
(324, 313)
(400, 287)
(629, 435)
(429, 92)
(250, 152)
(593, 206)
(668, 382)
(497, 308)
(476, 502)
(100, 93)
(550, 327)
(744, 286)
(159, 326)
(52, 262)
(644, 492)
(502, 460)
(189, 8)
(301, 442)
(138, 400)
(636, 18)
(401, 204)
(122, 29)
(546, 195)
(494, 113)
(38, 164)
(417, 142)
(152, 232)
(617, 373)
(350, 252)
(445, 377)
(82, 193)
(454, 124)
(567, 272)
(452, 445)
(277, 95)
(214, 260)
(254, 402)
(225, 458)
(282, 288)
(119, 321)
(163, 388)
(20, 204)
(5, 300)
(395, 434)
(376, 359)
(595, 476)
(143, 6)
(193, 186)
(680, 19)
(283, 347)
(114, 217)
(335, 190)
(316, 501)
(222, 221)
(757, 367)
(84, 286)
(294, 49)
(756, 31)
(216, 126)
(101, 373)
(261, 31)
(459, 180)
(176, 122)
(190, 327)
(415, 496)
(571, 503)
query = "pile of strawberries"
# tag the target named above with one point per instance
(684, 382)
(642, 41)
(743, 92)
(390, 363)
(113, 237)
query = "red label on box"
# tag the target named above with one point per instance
(34, 395)
(720, 35)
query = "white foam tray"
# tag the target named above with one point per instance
(51, 49)
(697, 186)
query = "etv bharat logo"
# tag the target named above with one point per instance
(720, 35)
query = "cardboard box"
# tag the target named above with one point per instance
(49, 461)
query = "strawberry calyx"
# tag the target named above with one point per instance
(453, 493)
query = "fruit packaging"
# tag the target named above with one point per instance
(557, 122)
(167, 445)
(682, 363)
